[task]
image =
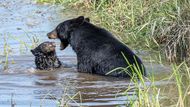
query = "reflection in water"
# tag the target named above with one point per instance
(49, 86)
(35, 88)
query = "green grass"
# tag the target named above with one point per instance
(23, 47)
(149, 24)
(150, 95)
(155, 25)
(6, 52)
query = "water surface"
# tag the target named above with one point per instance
(24, 21)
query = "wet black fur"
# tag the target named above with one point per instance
(98, 51)
(45, 60)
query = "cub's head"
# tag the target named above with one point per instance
(44, 48)
(63, 30)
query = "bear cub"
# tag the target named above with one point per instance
(45, 56)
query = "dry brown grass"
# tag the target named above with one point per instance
(176, 38)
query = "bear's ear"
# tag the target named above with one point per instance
(33, 52)
(87, 19)
(78, 21)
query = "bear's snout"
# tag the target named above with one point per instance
(52, 35)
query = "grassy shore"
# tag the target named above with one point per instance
(155, 25)
(161, 25)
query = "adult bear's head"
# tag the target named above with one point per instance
(63, 30)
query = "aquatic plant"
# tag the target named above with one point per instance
(24, 47)
(6, 52)
(151, 95)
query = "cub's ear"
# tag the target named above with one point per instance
(78, 21)
(33, 52)
(87, 19)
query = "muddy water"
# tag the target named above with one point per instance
(24, 21)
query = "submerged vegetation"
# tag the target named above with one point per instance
(156, 25)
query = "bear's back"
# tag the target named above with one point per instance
(103, 50)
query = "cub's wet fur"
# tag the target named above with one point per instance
(45, 56)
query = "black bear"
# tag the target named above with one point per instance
(98, 51)
(45, 56)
